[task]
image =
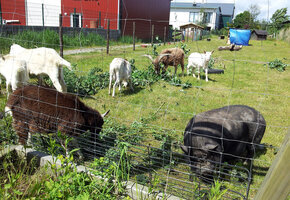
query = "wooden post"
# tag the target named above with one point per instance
(152, 35)
(42, 11)
(276, 182)
(192, 37)
(100, 23)
(187, 34)
(133, 36)
(182, 35)
(108, 35)
(60, 37)
(164, 38)
(174, 35)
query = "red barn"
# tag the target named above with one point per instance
(13, 12)
(91, 14)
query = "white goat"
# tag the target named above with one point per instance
(198, 60)
(43, 61)
(120, 72)
(14, 71)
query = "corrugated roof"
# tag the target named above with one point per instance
(226, 8)
(260, 32)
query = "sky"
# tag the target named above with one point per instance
(242, 5)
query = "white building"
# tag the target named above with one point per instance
(42, 12)
(215, 15)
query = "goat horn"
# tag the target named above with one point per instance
(162, 55)
(148, 56)
(104, 115)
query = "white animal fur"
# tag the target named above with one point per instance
(43, 61)
(199, 60)
(14, 71)
(120, 72)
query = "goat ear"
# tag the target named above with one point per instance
(184, 149)
(212, 51)
(106, 113)
(204, 51)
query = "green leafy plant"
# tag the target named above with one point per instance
(216, 192)
(183, 46)
(278, 65)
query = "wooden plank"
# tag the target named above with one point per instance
(276, 184)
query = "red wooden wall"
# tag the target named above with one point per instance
(90, 10)
(13, 10)
(145, 13)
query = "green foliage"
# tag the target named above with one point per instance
(7, 133)
(278, 65)
(242, 20)
(88, 84)
(184, 47)
(216, 192)
(50, 38)
(278, 18)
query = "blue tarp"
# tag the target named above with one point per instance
(240, 37)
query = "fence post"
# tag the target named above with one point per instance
(192, 37)
(187, 34)
(174, 36)
(276, 182)
(164, 35)
(152, 35)
(108, 35)
(60, 36)
(133, 36)
(100, 23)
(42, 11)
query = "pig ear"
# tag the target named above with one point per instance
(184, 149)
(210, 146)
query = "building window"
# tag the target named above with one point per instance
(208, 16)
(76, 20)
(193, 17)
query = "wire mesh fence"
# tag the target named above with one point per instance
(150, 122)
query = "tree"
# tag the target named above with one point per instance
(278, 20)
(254, 11)
(242, 20)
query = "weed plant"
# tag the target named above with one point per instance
(278, 65)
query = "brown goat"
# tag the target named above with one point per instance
(38, 109)
(172, 57)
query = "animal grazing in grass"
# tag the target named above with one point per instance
(222, 135)
(43, 61)
(198, 61)
(37, 109)
(172, 57)
(120, 72)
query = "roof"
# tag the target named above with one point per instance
(226, 8)
(190, 25)
(260, 32)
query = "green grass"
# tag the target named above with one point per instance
(244, 82)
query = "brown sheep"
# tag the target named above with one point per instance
(172, 57)
(38, 109)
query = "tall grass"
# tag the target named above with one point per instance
(50, 38)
